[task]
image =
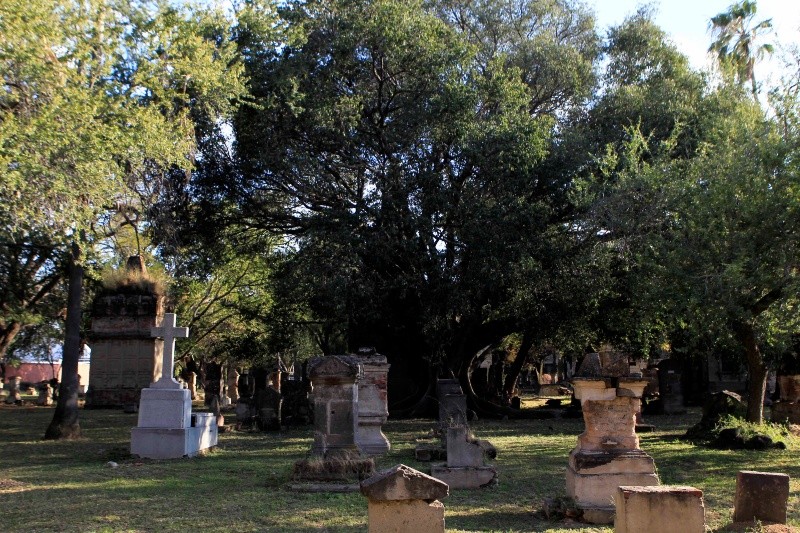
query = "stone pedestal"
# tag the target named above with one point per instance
(761, 496)
(404, 500)
(373, 407)
(334, 382)
(787, 409)
(166, 428)
(465, 467)
(125, 357)
(607, 455)
(659, 509)
(14, 395)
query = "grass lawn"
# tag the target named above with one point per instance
(240, 486)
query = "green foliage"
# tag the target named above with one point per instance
(776, 432)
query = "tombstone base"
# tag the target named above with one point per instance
(406, 516)
(593, 478)
(323, 487)
(174, 443)
(165, 408)
(659, 509)
(371, 439)
(465, 477)
(333, 471)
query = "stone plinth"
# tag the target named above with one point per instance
(465, 467)
(607, 455)
(125, 358)
(173, 443)
(404, 500)
(660, 509)
(14, 395)
(761, 496)
(334, 382)
(787, 409)
(373, 406)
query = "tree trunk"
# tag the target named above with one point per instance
(519, 362)
(7, 335)
(756, 373)
(65, 419)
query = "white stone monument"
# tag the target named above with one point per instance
(167, 429)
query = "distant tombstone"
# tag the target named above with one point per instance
(465, 467)
(787, 408)
(45, 394)
(334, 381)
(452, 403)
(404, 500)
(268, 404)
(14, 395)
(233, 385)
(607, 454)
(125, 358)
(373, 405)
(590, 366)
(167, 428)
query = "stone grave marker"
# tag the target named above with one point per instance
(466, 467)
(659, 509)
(404, 500)
(336, 462)
(167, 429)
(761, 496)
(14, 395)
(125, 357)
(373, 406)
(607, 454)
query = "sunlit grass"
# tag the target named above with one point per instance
(241, 486)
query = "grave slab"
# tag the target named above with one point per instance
(660, 509)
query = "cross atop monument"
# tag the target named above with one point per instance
(169, 332)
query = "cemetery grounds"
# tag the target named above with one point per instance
(241, 485)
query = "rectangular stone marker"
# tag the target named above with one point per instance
(659, 509)
(404, 500)
(761, 496)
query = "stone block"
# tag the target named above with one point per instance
(596, 389)
(402, 482)
(465, 477)
(761, 496)
(659, 509)
(405, 516)
(165, 408)
(453, 410)
(174, 443)
(598, 490)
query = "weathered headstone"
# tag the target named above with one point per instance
(607, 454)
(404, 500)
(335, 458)
(659, 509)
(167, 429)
(125, 357)
(761, 496)
(334, 381)
(787, 409)
(373, 406)
(233, 384)
(466, 467)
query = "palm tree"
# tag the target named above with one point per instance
(735, 41)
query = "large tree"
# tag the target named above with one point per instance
(94, 107)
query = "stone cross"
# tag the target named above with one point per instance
(169, 332)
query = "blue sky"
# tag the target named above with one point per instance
(687, 21)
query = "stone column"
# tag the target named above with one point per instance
(404, 500)
(334, 382)
(373, 406)
(125, 358)
(607, 455)
(13, 390)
